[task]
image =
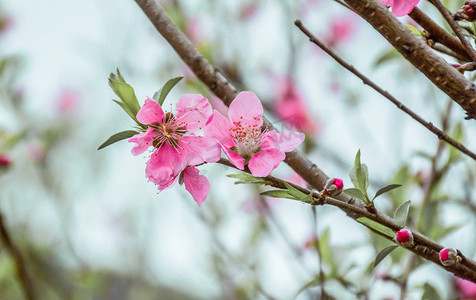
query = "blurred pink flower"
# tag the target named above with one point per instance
(243, 140)
(291, 108)
(341, 30)
(68, 101)
(192, 31)
(6, 23)
(401, 8)
(466, 289)
(5, 160)
(248, 11)
(175, 144)
(311, 242)
(36, 151)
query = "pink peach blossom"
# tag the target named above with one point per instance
(175, 144)
(5, 160)
(401, 8)
(67, 101)
(466, 289)
(291, 107)
(243, 140)
(341, 30)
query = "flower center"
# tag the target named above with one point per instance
(168, 132)
(248, 138)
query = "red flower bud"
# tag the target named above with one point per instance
(333, 186)
(449, 256)
(404, 238)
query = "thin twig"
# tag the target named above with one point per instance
(423, 246)
(438, 132)
(454, 25)
(444, 50)
(438, 33)
(20, 264)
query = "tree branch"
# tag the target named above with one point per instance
(438, 33)
(415, 50)
(423, 246)
(438, 132)
(454, 25)
(23, 275)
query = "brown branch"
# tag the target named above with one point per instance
(415, 50)
(454, 25)
(423, 246)
(20, 265)
(438, 33)
(438, 132)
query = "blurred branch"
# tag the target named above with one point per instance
(454, 25)
(438, 132)
(423, 246)
(23, 275)
(415, 50)
(438, 33)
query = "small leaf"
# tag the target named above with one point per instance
(401, 213)
(168, 86)
(295, 192)
(278, 194)
(456, 135)
(125, 92)
(356, 193)
(384, 230)
(118, 137)
(429, 293)
(326, 251)
(359, 175)
(415, 31)
(386, 189)
(247, 179)
(382, 254)
(389, 55)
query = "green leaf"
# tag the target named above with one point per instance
(125, 92)
(384, 230)
(429, 293)
(389, 55)
(359, 175)
(278, 194)
(326, 251)
(386, 189)
(118, 137)
(382, 254)
(168, 86)
(456, 135)
(401, 213)
(247, 179)
(415, 31)
(295, 192)
(356, 193)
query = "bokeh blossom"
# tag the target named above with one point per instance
(292, 109)
(401, 8)
(466, 289)
(243, 140)
(176, 147)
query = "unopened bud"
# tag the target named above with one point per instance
(468, 11)
(449, 256)
(404, 238)
(333, 186)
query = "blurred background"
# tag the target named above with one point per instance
(90, 226)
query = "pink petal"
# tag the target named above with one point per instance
(387, 3)
(150, 112)
(402, 8)
(193, 110)
(143, 141)
(164, 165)
(265, 161)
(199, 149)
(219, 128)
(197, 185)
(246, 108)
(234, 158)
(284, 141)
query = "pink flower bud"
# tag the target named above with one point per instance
(5, 161)
(404, 238)
(333, 186)
(468, 11)
(448, 257)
